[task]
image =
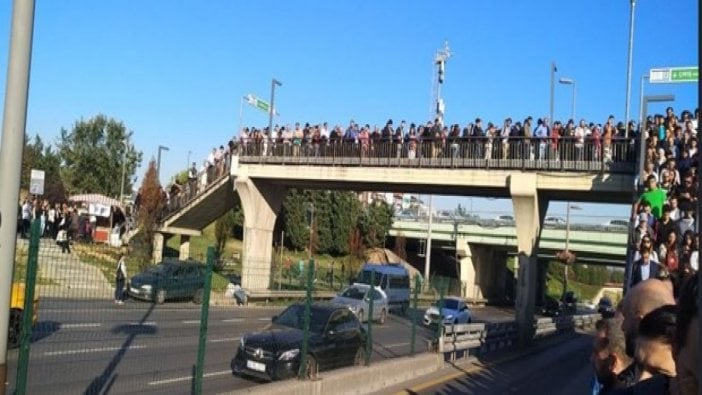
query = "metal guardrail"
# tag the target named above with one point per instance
(566, 154)
(463, 340)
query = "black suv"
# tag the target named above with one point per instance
(170, 279)
(336, 339)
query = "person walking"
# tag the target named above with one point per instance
(120, 279)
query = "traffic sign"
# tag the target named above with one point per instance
(36, 182)
(669, 75)
(258, 103)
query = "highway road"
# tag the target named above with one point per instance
(96, 346)
(555, 366)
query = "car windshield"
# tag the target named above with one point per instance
(366, 275)
(450, 304)
(159, 269)
(353, 293)
(294, 317)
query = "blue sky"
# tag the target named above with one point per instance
(174, 71)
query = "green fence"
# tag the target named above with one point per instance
(185, 324)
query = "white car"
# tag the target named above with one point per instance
(453, 311)
(554, 221)
(357, 298)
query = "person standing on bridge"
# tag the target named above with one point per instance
(120, 279)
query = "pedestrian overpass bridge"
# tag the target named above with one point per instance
(262, 177)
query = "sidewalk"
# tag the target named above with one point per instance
(70, 277)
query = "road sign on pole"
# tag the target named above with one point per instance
(260, 104)
(669, 75)
(36, 182)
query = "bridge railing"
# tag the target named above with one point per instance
(617, 156)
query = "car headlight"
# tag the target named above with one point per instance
(449, 317)
(353, 308)
(288, 355)
(146, 287)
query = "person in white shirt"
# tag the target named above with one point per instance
(579, 136)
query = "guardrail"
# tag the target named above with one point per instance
(617, 156)
(465, 340)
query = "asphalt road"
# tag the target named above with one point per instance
(98, 347)
(558, 367)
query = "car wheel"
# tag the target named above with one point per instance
(13, 337)
(360, 316)
(160, 296)
(197, 298)
(311, 368)
(360, 358)
(383, 317)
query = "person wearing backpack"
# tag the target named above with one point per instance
(120, 279)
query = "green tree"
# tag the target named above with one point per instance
(375, 223)
(323, 217)
(294, 213)
(92, 155)
(346, 210)
(223, 229)
(40, 157)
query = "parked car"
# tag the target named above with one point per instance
(605, 307)
(336, 339)
(504, 220)
(17, 312)
(170, 279)
(453, 311)
(357, 298)
(552, 307)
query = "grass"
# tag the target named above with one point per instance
(20, 269)
(554, 288)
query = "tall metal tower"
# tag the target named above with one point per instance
(437, 103)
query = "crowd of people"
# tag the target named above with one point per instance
(650, 346)
(58, 221)
(527, 139)
(664, 239)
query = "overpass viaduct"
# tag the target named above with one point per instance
(262, 180)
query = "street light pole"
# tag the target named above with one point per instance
(271, 110)
(427, 254)
(158, 163)
(641, 100)
(311, 210)
(553, 76)
(13, 129)
(124, 167)
(570, 81)
(629, 63)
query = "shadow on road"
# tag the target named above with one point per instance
(103, 382)
(44, 329)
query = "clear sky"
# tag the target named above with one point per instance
(174, 71)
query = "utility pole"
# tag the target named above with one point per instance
(629, 63)
(427, 254)
(271, 110)
(440, 59)
(553, 77)
(13, 130)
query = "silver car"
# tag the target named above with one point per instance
(357, 298)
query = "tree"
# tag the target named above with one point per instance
(149, 210)
(37, 156)
(294, 212)
(345, 212)
(92, 155)
(223, 229)
(375, 223)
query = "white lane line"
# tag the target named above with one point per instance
(264, 319)
(395, 345)
(81, 325)
(234, 320)
(191, 321)
(147, 323)
(188, 378)
(226, 339)
(89, 350)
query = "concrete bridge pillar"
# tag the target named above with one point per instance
(482, 273)
(529, 212)
(261, 202)
(184, 250)
(159, 242)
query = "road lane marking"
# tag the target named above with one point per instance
(188, 378)
(394, 345)
(234, 320)
(89, 350)
(264, 319)
(147, 323)
(81, 325)
(191, 321)
(226, 339)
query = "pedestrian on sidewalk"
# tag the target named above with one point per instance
(62, 236)
(120, 279)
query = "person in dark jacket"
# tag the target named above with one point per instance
(644, 268)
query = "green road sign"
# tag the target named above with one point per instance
(674, 74)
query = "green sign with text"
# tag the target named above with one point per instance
(674, 74)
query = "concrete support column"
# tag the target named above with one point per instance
(529, 212)
(159, 241)
(541, 282)
(499, 263)
(184, 250)
(477, 273)
(261, 202)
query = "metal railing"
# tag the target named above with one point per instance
(565, 154)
